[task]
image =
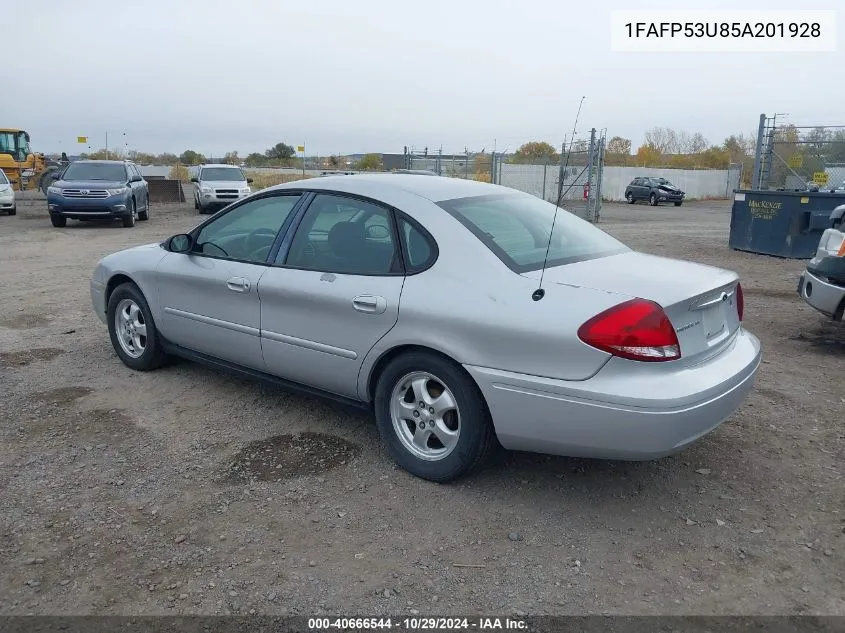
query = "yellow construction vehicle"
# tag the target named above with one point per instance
(25, 170)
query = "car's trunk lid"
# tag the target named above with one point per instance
(699, 300)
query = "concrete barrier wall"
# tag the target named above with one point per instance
(697, 183)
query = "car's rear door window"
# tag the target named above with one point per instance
(339, 234)
(516, 227)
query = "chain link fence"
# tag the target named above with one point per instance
(575, 178)
(798, 158)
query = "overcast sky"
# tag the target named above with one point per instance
(374, 75)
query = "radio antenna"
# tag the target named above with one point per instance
(540, 293)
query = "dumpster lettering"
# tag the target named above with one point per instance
(764, 209)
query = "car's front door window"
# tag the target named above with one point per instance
(247, 232)
(344, 235)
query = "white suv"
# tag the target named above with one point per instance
(219, 185)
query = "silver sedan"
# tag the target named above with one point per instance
(427, 300)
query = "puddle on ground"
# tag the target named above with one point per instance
(27, 356)
(286, 456)
(24, 321)
(60, 395)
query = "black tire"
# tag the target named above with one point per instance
(652, 200)
(477, 438)
(153, 356)
(59, 221)
(196, 203)
(129, 220)
(677, 204)
(13, 210)
(630, 198)
(145, 214)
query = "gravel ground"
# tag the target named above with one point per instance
(187, 491)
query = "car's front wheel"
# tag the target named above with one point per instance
(432, 417)
(652, 200)
(13, 211)
(129, 218)
(677, 204)
(132, 329)
(629, 197)
(58, 221)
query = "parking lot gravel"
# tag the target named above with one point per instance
(186, 491)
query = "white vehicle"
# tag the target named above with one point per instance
(822, 284)
(7, 195)
(216, 186)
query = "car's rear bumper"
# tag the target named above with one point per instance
(821, 294)
(628, 410)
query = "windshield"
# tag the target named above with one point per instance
(662, 181)
(222, 173)
(15, 144)
(516, 228)
(3, 179)
(113, 172)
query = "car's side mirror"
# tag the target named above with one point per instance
(180, 243)
(135, 179)
(249, 181)
(194, 180)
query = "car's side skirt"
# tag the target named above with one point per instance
(248, 372)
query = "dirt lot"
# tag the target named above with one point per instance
(131, 493)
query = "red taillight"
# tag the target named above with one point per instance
(740, 301)
(637, 329)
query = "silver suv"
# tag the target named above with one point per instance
(219, 185)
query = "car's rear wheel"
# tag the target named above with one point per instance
(629, 197)
(432, 417)
(145, 214)
(58, 221)
(652, 200)
(129, 218)
(132, 329)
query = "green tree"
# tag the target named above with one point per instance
(618, 151)
(166, 159)
(232, 158)
(255, 160)
(370, 162)
(334, 161)
(190, 157)
(280, 152)
(536, 152)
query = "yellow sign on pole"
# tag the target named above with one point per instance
(81, 139)
(820, 177)
(796, 161)
(300, 148)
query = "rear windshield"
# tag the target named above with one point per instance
(516, 228)
(222, 173)
(95, 171)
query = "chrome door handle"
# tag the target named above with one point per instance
(238, 284)
(370, 304)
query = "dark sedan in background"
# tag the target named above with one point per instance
(655, 190)
(99, 190)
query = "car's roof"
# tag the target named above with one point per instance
(434, 188)
(103, 161)
(220, 165)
